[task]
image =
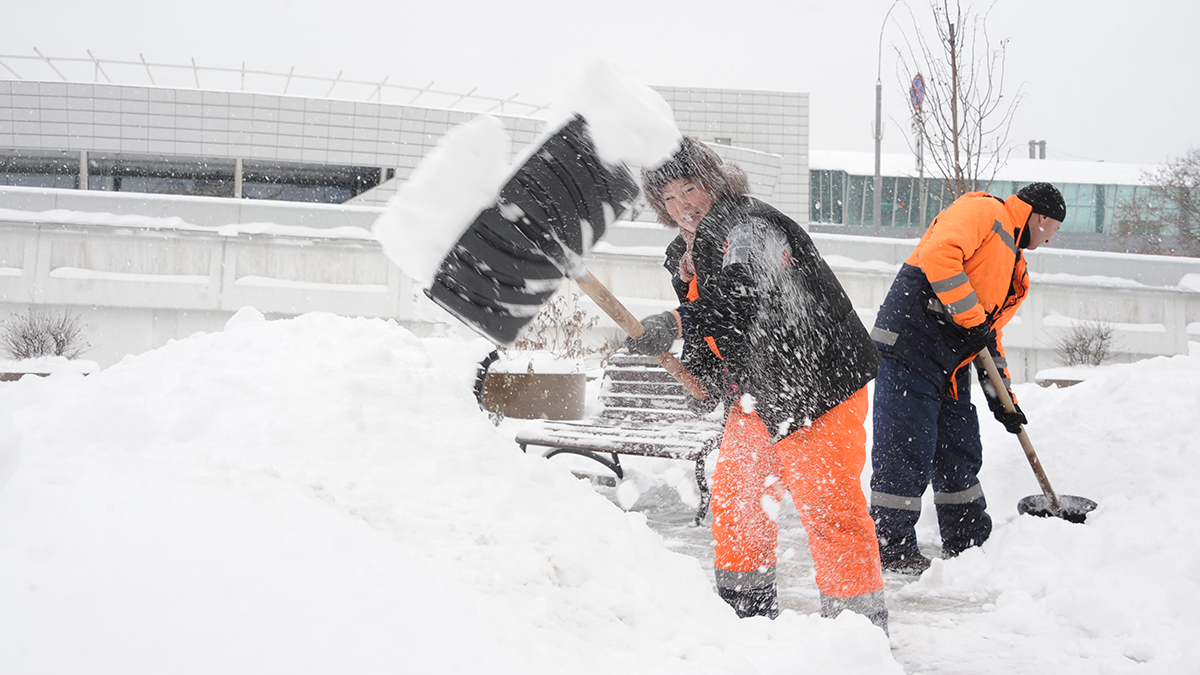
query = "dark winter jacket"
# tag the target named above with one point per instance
(786, 331)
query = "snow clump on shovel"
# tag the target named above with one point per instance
(453, 184)
(630, 123)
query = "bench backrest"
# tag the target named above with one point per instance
(637, 388)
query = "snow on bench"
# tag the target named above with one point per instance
(644, 414)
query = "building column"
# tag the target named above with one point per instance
(83, 170)
(237, 178)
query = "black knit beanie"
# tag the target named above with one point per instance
(1045, 200)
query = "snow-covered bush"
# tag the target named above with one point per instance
(1085, 344)
(41, 332)
(559, 329)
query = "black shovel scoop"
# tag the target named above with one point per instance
(1049, 504)
(512, 257)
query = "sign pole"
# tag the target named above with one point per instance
(916, 95)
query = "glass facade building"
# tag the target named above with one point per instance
(210, 177)
(843, 198)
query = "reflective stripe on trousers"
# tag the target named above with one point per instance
(914, 503)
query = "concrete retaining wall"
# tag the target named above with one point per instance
(140, 281)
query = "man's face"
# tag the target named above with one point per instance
(1041, 229)
(687, 203)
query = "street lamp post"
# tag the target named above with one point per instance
(875, 211)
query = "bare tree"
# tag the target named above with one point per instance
(966, 116)
(1166, 217)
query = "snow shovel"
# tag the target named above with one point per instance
(1049, 503)
(512, 257)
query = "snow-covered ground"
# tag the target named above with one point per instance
(1120, 594)
(322, 494)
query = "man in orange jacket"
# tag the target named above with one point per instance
(953, 295)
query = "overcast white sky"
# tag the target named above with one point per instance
(1103, 79)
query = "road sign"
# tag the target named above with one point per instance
(916, 93)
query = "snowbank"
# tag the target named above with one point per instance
(323, 495)
(1120, 594)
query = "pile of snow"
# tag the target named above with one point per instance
(1118, 594)
(323, 495)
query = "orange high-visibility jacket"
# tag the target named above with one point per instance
(970, 256)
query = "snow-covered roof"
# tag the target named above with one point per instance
(1020, 170)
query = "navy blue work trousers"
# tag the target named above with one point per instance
(924, 435)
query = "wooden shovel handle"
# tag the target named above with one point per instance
(993, 372)
(613, 307)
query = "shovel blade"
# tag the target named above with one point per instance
(1071, 508)
(512, 258)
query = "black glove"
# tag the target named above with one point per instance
(702, 407)
(661, 330)
(977, 337)
(1011, 420)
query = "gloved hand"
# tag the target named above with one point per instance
(977, 337)
(661, 330)
(1012, 421)
(699, 407)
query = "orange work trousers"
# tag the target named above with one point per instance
(821, 466)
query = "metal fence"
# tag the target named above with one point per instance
(193, 75)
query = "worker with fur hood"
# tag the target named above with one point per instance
(769, 331)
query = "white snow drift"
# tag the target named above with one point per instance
(323, 495)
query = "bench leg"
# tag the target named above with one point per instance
(613, 465)
(705, 496)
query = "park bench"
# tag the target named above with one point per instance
(644, 413)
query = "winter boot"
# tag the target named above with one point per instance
(752, 601)
(914, 564)
(870, 605)
(897, 534)
(963, 526)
